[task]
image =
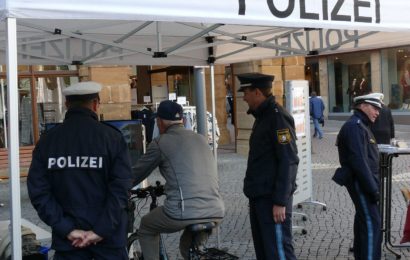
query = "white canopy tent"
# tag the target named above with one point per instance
(180, 32)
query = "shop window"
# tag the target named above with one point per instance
(50, 106)
(349, 76)
(396, 78)
(179, 82)
(312, 75)
(50, 101)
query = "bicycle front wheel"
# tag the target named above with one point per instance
(133, 247)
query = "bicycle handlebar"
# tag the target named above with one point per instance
(152, 191)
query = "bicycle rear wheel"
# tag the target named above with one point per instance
(133, 247)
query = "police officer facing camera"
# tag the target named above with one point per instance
(359, 157)
(79, 179)
(270, 179)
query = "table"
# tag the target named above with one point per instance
(387, 153)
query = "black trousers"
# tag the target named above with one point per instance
(93, 252)
(367, 225)
(271, 240)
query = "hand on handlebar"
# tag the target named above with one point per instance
(156, 191)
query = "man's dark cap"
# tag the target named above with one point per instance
(254, 80)
(169, 110)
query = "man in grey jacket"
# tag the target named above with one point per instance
(192, 192)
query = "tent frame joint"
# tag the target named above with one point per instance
(211, 60)
(77, 62)
(160, 54)
(313, 53)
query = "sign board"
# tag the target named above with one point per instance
(172, 96)
(297, 104)
(147, 99)
(181, 100)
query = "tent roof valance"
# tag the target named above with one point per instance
(371, 15)
(161, 32)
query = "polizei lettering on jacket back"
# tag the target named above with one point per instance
(78, 162)
(283, 9)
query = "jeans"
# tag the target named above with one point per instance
(318, 130)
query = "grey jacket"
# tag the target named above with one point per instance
(188, 166)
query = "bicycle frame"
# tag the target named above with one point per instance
(153, 193)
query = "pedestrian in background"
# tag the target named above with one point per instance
(270, 179)
(359, 160)
(383, 127)
(79, 179)
(316, 107)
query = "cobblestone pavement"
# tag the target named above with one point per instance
(329, 232)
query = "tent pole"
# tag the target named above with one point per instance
(13, 134)
(3, 109)
(159, 37)
(214, 145)
(200, 100)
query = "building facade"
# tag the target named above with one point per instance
(343, 76)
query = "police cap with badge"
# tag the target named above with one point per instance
(254, 80)
(374, 99)
(82, 91)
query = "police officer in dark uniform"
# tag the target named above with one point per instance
(79, 180)
(359, 160)
(383, 127)
(272, 166)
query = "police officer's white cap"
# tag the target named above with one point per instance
(82, 91)
(375, 99)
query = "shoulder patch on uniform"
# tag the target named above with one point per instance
(372, 141)
(283, 136)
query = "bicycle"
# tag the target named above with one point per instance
(133, 247)
(196, 251)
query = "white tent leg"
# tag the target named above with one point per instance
(13, 136)
(214, 145)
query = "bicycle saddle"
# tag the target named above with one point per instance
(201, 227)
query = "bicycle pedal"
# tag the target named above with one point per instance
(215, 253)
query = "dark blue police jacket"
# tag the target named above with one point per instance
(79, 179)
(358, 151)
(273, 160)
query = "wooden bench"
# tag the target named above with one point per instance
(25, 156)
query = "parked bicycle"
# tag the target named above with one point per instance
(196, 251)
